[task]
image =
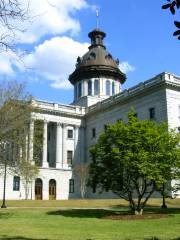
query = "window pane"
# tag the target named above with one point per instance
(96, 87)
(108, 87)
(90, 87)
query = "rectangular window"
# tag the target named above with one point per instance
(152, 113)
(70, 133)
(93, 132)
(16, 183)
(71, 185)
(69, 157)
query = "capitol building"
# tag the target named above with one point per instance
(70, 130)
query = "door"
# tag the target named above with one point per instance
(38, 189)
(52, 189)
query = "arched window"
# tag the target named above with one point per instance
(108, 87)
(96, 87)
(79, 90)
(113, 88)
(90, 87)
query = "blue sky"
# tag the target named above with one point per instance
(138, 32)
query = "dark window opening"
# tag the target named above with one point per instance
(93, 132)
(71, 185)
(70, 133)
(152, 113)
(89, 87)
(16, 183)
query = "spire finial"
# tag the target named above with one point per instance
(97, 18)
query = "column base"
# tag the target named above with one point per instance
(58, 165)
(45, 165)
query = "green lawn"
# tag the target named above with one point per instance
(53, 222)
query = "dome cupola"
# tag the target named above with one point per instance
(97, 62)
(97, 75)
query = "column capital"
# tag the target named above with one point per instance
(45, 121)
(59, 124)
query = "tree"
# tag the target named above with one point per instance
(173, 5)
(28, 172)
(134, 159)
(15, 114)
(12, 14)
(82, 172)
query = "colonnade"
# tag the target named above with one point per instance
(61, 144)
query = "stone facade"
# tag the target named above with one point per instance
(162, 93)
(70, 130)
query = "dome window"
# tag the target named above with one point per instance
(92, 56)
(109, 56)
(96, 87)
(108, 88)
(90, 88)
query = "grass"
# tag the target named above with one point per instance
(60, 220)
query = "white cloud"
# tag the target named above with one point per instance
(125, 67)
(55, 59)
(7, 61)
(50, 17)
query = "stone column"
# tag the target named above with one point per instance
(45, 163)
(59, 145)
(82, 144)
(31, 138)
(63, 145)
(76, 144)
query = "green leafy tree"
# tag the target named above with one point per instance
(173, 6)
(15, 115)
(134, 159)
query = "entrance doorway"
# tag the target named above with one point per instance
(38, 189)
(52, 189)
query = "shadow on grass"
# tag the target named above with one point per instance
(6, 215)
(5, 237)
(102, 213)
(156, 238)
(86, 213)
(150, 209)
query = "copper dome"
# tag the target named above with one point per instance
(97, 62)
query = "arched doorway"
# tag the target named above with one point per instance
(38, 189)
(52, 189)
